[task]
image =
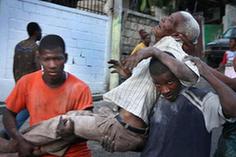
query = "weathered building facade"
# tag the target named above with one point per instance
(87, 38)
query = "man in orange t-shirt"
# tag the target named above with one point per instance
(46, 94)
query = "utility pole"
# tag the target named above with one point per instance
(116, 36)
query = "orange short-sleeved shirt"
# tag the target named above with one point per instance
(44, 102)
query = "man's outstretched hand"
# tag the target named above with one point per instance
(131, 62)
(125, 67)
(119, 68)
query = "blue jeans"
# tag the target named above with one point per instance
(21, 117)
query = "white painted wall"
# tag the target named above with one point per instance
(86, 36)
(229, 18)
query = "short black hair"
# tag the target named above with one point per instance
(156, 67)
(33, 27)
(51, 42)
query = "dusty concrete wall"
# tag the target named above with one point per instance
(132, 22)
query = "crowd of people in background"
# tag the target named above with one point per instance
(160, 110)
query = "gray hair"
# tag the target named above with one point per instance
(189, 26)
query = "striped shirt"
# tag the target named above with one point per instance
(138, 94)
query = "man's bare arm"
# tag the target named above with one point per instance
(231, 82)
(24, 148)
(119, 68)
(226, 94)
(177, 67)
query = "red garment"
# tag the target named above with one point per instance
(224, 59)
(44, 102)
(228, 57)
